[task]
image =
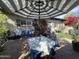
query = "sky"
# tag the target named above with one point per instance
(75, 10)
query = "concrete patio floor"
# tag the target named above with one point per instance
(67, 52)
(13, 48)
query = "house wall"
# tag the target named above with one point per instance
(11, 21)
(55, 24)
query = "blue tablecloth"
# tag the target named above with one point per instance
(41, 44)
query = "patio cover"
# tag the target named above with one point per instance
(35, 8)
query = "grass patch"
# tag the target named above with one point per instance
(64, 35)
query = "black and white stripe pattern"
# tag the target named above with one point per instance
(30, 9)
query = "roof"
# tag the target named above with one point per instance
(35, 8)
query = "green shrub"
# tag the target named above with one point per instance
(3, 24)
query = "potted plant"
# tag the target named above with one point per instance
(74, 22)
(3, 28)
(75, 42)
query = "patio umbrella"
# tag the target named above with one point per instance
(38, 8)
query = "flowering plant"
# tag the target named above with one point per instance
(74, 22)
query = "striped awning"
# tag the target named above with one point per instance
(30, 8)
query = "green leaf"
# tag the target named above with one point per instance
(3, 22)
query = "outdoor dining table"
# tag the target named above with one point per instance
(41, 44)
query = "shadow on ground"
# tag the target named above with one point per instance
(67, 52)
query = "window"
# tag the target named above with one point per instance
(20, 22)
